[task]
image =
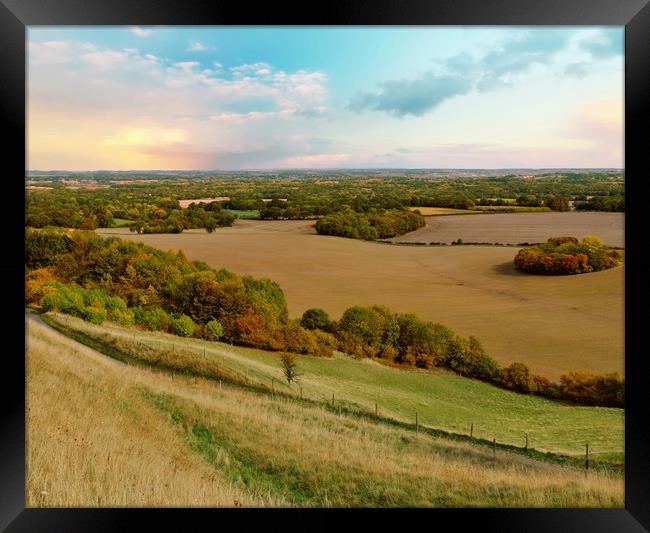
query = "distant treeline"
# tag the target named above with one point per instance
(369, 226)
(79, 273)
(150, 203)
(567, 255)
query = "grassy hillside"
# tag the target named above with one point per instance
(442, 400)
(101, 433)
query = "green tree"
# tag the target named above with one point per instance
(289, 367)
(315, 318)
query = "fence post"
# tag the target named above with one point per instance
(273, 388)
(332, 399)
(301, 392)
(494, 446)
(526, 441)
(417, 423)
(587, 456)
(376, 409)
(204, 351)
(471, 430)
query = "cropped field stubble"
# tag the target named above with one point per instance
(101, 434)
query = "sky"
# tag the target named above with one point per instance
(192, 97)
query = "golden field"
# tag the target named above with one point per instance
(553, 324)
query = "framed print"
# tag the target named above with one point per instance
(376, 258)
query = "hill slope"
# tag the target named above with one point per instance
(124, 435)
(442, 400)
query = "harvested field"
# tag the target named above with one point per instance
(513, 228)
(553, 324)
(186, 203)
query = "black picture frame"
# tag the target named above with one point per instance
(15, 15)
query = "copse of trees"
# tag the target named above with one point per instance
(602, 203)
(558, 203)
(162, 291)
(369, 226)
(567, 255)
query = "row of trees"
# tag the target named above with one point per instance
(405, 339)
(602, 203)
(567, 255)
(196, 215)
(369, 226)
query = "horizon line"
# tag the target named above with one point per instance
(268, 169)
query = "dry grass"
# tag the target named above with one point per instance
(101, 433)
(93, 441)
(553, 324)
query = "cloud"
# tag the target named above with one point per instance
(411, 97)
(197, 46)
(105, 59)
(252, 69)
(464, 73)
(577, 70)
(141, 32)
(609, 42)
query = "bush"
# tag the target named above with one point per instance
(213, 330)
(183, 326)
(123, 317)
(518, 377)
(315, 319)
(94, 315)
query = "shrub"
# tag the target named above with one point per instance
(154, 319)
(183, 326)
(326, 343)
(124, 317)
(37, 284)
(214, 330)
(518, 377)
(315, 319)
(94, 315)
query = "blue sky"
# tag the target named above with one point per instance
(324, 97)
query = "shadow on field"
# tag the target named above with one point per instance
(507, 268)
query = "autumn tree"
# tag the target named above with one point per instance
(290, 367)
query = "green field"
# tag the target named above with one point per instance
(442, 400)
(239, 213)
(120, 222)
